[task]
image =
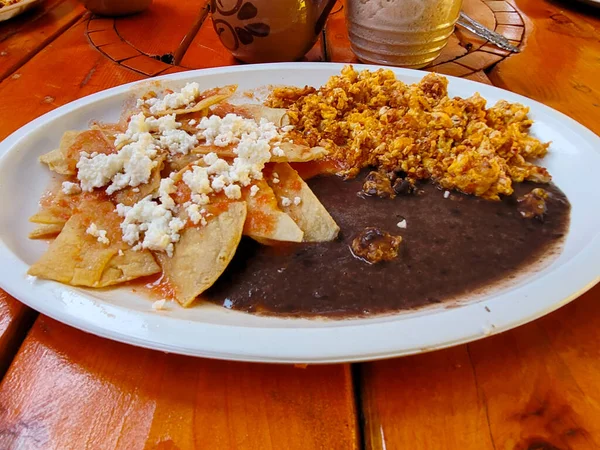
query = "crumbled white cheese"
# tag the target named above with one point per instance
(254, 190)
(136, 127)
(275, 178)
(163, 124)
(167, 187)
(138, 161)
(131, 166)
(252, 145)
(69, 188)
(200, 199)
(175, 100)
(210, 158)
(120, 252)
(98, 170)
(138, 149)
(99, 234)
(251, 160)
(193, 212)
(230, 129)
(297, 201)
(285, 201)
(148, 224)
(152, 224)
(233, 191)
(197, 180)
(192, 122)
(171, 138)
(219, 183)
(446, 194)
(220, 168)
(401, 224)
(159, 305)
(277, 151)
(178, 141)
(287, 128)
(203, 221)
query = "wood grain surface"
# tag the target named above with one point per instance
(67, 69)
(560, 65)
(160, 29)
(531, 388)
(70, 390)
(15, 321)
(25, 35)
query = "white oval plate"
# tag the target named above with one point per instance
(211, 331)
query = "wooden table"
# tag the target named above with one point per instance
(536, 387)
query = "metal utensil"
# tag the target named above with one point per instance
(475, 27)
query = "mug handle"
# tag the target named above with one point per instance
(327, 7)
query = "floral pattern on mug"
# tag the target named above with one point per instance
(232, 36)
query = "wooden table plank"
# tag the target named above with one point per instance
(423, 402)
(161, 28)
(480, 77)
(338, 45)
(68, 390)
(533, 387)
(51, 79)
(541, 399)
(566, 78)
(15, 321)
(24, 36)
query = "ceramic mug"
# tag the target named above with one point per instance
(268, 31)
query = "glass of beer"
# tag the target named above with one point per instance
(407, 33)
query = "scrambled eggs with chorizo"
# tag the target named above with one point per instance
(372, 119)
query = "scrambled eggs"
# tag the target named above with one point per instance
(372, 119)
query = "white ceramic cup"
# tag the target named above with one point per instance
(407, 33)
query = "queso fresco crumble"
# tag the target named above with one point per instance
(155, 221)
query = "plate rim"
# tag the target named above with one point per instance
(16, 9)
(586, 279)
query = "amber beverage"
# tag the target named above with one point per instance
(408, 33)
